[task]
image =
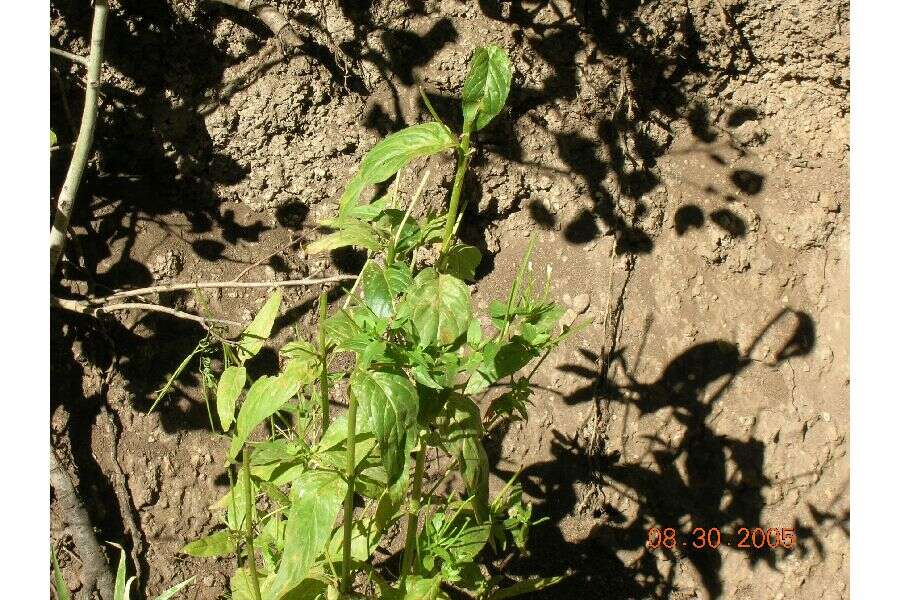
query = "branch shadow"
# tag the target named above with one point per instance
(698, 479)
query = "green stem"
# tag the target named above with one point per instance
(248, 532)
(350, 473)
(66, 200)
(323, 349)
(462, 162)
(412, 516)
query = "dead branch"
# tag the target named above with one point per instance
(271, 17)
(96, 573)
(117, 479)
(66, 200)
(76, 58)
(202, 285)
(86, 308)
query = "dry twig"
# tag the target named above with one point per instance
(121, 489)
(271, 17)
(86, 308)
(205, 285)
(95, 573)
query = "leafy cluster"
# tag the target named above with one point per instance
(419, 358)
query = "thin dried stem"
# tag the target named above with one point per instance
(88, 309)
(271, 17)
(202, 285)
(95, 569)
(76, 58)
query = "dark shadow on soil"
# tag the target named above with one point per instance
(157, 166)
(613, 161)
(79, 357)
(157, 161)
(700, 479)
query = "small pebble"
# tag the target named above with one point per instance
(581, 302)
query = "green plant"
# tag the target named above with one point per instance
(419, 358)
(122, 585)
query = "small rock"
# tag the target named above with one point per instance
(568, 318)
(581, 302)
(167, 265)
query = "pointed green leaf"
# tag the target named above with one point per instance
(219, 543)
(241, 583)
(266, 396)
(461, 261)
(382, 285)
(418, 588)
(440, 307)
(463, 435)
(331, 449)
(230, 385)
(393, 153)
(351, 233)
(366, 534)
(233, 501)
(316, 497)
(120, 585)
(59, 583)
(499, 361)
(353, 329)
(487, 86)
(389, 403)
(170, 593)
(257, 332)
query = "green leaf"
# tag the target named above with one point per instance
(364, 212)
(120, 587)
(170, 593)
(393, 153)
(382, 286)
(525, 587)
(499, 360)
(230, 385)
(316, 497)
(266, 396)
(299, 349)
(331, 449)
(486, 87)
(241, 584)
(311, 588)
(468, 536)
(353, 329)
(461, 261)
(389, 403)
(233, 501)
(62, 592)
(219, 543)
(52, 138)
(474, 333)
(440, 307)
(351, 233)
(418, 588)
(257, 332)
(463, 436)
(363, 540)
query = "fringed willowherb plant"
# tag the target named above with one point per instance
(419, 357)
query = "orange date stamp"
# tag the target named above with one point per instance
(711, 538)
